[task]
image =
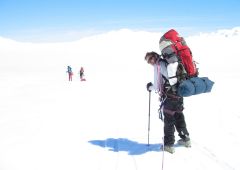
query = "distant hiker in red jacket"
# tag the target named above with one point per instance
(70, 73)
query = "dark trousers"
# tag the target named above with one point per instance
(174, 118)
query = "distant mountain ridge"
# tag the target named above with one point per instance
(126, 32)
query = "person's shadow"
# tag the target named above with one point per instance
(131, 147)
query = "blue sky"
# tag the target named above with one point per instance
(56, 20)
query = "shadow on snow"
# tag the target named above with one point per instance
(122, 144)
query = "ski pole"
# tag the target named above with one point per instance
(163, 145)
(149, 107)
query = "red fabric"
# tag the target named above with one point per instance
(182, 51)
(188, 62)
(172, 35)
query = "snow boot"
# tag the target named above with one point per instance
(169, 148)
(185, 142)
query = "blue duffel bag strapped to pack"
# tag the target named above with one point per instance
(194, 86)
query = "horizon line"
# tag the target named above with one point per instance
(69, 36)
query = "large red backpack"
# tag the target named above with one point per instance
(175, 49)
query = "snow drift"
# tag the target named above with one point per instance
(47, 122)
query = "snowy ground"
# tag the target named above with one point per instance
(49, 123)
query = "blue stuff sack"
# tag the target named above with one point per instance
(186, 88)
(208, 83)
(199, 84)
(194, 86)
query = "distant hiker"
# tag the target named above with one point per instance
(81, 72)
(70, 73)
(171, 103)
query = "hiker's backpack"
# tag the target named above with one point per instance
(174, 49)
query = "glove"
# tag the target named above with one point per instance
(149, 85)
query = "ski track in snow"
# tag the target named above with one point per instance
(211, 156)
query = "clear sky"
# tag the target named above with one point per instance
(53, 20)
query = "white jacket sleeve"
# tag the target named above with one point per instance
(172, 72)
(169, 71)
(155, 79)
